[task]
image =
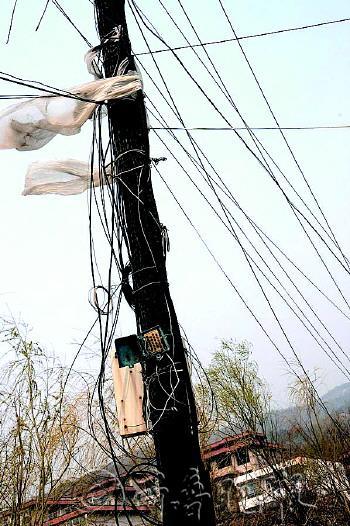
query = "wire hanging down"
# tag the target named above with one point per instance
(277, 277)
(172, 105)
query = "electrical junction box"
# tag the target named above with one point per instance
(128, 386)
(155, 341)
(128, 351)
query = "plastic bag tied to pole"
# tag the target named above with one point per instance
(30, 125)
(66, 177)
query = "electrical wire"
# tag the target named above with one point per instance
(157, 35)
(297, 163)
(12, 20)
(296, 211)
(42, 15)
(229, 98)
(223, 187)
(231, 283)
(67, 17)
(229, 226)
(225, 91)
(254, 128)
(43, 88)
(334, 340)
(244, 37)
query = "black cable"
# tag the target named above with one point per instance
(295, 210)
(298, 291)
(11, 21)
(301, 171)
(67, 17)
(254, 128)
(309, 307)
(231, 197)
(251, 261)
(245, 37)
(253, 314)
(42, 15)
(228, 193)
(40, 86)
(226, 93)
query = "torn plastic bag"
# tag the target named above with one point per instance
(69, 177)
(31, 124)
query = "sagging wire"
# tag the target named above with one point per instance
(225, 91)
(345, 372)
(258, 144)
(258, 321)
(244, 37)
(268, 103)
(296, 211)
(288, 294)
(299, 364)
(323, 324)
(111, 218)
(223, 187)
(11, 21)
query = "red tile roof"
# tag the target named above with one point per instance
(93, 509)
(234, 442)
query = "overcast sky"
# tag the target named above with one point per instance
(44, 269)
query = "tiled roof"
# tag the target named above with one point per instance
(93, 509)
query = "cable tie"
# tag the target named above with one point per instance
(157, 160)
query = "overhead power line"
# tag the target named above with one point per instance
(300, 216)
(11, 21)
(228, 219)
(259, 128)
(246, 37)
(274, 116)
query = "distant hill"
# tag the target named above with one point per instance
(338, 399)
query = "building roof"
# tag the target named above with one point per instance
(87, 510)
(234, 442)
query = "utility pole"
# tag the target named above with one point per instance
(184, 483)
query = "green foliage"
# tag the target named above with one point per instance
(40, 428)
(241, 395)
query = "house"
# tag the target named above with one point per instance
(239, 454)
(95, 499)
(99, 505)
(247, 473)
(231, 457)
(271, 485)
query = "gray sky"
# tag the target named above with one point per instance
(44, 269)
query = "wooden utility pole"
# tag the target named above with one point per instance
(185, 486)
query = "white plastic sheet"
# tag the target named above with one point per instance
(67, 177)
(31, 124)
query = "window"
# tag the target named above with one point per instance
(251, 490)
(224, 461)
(272, 484)
(242, 456)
